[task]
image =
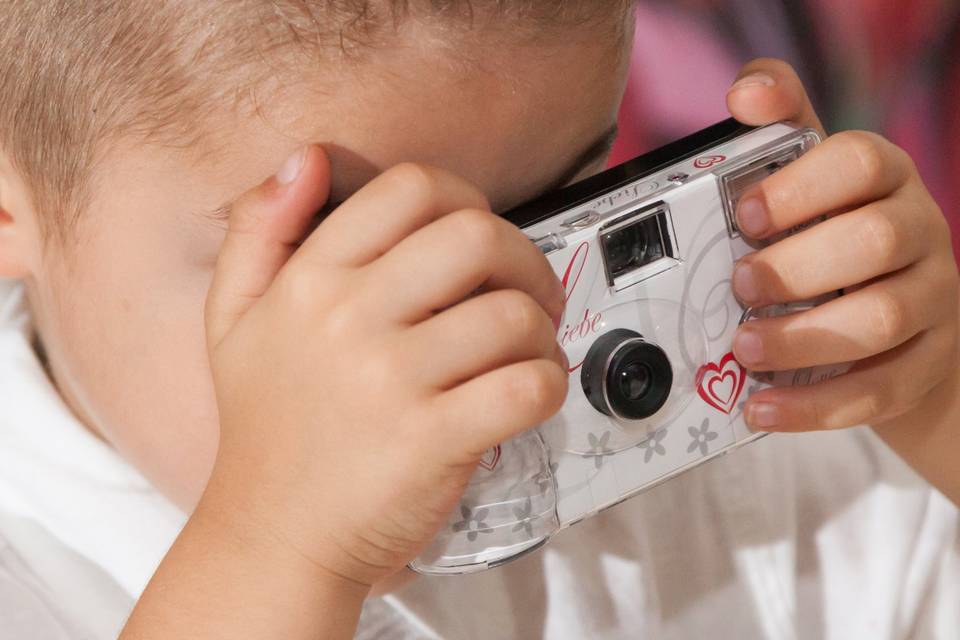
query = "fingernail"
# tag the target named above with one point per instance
(752, 216)
(763, 415)
(754, 80)
(748, 347)
(292, 167)
(745, 283)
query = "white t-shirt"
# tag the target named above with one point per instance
(825, 535)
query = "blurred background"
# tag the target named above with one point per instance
(890, 66)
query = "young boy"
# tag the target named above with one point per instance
(319, 412)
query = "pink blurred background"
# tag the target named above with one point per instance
(890, 66)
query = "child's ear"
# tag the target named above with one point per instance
(19, 236)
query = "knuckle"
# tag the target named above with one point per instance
(377, 369)
(339, 321)
(521, 314)
(879, 236)
(875, 405)
(904, 159)
(417, 180)
(888, 320)
(541, 387)
(479, 231)
(246, 215)
(299, 288)
(250, 210)
(783, 192)
(869, 402)
(868, 155)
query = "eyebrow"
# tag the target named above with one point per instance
(597, 149)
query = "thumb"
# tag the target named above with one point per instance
(768, 91)
(266, 225)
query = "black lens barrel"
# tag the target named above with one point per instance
(625, 376)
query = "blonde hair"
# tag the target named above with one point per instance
(76, 74)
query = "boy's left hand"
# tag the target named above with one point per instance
(886, 243)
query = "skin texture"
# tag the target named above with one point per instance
(121, 314)
(121, 309)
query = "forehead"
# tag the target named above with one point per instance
(510, 119)
(507, 117)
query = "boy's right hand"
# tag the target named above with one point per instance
(358, 379)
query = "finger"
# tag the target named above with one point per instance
(478, 336)
(859, 325)
(444, 262)
(875, 390)
(499, 405)
(768, 91)
(386, 210)
(265, 225)
(845, 250)
(848, 170)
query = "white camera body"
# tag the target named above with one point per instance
(646, 253)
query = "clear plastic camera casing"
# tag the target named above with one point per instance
(646, 254)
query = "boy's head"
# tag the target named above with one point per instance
(127, 127)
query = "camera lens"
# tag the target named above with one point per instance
(625, 376)
(634, 381)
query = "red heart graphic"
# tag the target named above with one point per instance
(491, 458)
(708, 161)
(710, 375)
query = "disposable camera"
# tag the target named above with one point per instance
(646, 253)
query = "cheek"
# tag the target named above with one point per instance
(127, 348)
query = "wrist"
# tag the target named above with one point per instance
(228, 576)
(255, 525)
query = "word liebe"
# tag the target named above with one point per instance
(587, 326)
